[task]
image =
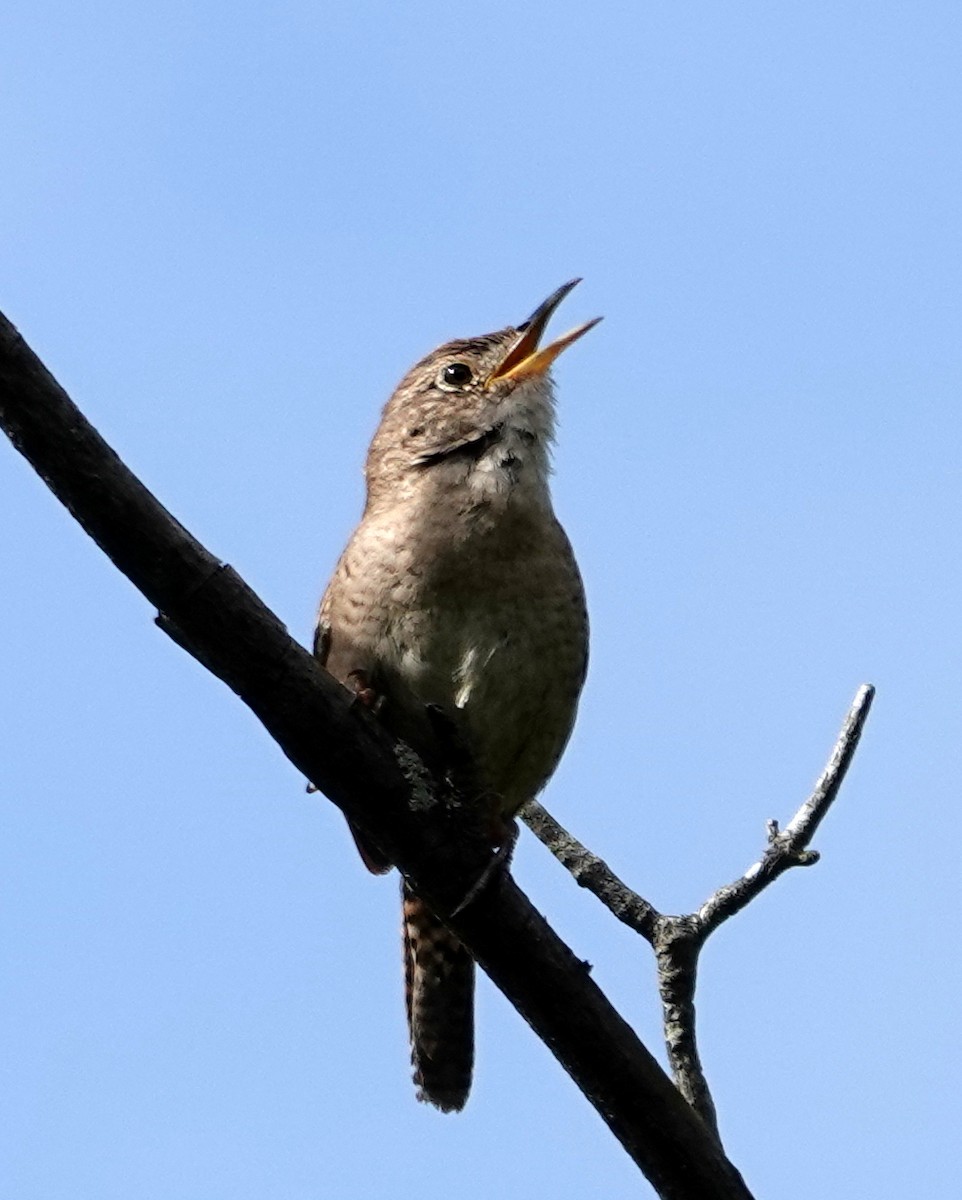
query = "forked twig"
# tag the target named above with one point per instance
(677, 940)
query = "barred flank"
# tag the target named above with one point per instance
(439, 991)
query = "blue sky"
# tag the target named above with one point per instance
(228, 230)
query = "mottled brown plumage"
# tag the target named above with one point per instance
(459, 590)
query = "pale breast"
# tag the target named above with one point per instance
(493, 627)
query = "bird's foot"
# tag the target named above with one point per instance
(365, 695)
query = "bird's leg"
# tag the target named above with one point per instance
(453, 751)
(504, 840)
(500, 832)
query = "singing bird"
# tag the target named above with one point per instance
(459, 593)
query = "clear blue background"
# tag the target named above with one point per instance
(228, 230)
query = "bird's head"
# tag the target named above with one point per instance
(470, 394)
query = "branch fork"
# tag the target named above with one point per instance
(678, 940)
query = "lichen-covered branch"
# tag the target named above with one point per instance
(591, 872)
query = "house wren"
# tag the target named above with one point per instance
(459, 593)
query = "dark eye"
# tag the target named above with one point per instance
(457, 374)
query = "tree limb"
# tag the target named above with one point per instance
(678, 941)
(592, 872)
(213, 614)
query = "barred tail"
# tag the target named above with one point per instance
(439, 991)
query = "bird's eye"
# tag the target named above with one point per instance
(456, 374)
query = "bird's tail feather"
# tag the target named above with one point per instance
(439, 990)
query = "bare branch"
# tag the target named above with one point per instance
(677, 941)
(591, 872)
(354, 761)
(677, 947)
(789, 847)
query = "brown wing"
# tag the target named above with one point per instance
(371, 856)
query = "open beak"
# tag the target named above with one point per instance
(525, 359)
